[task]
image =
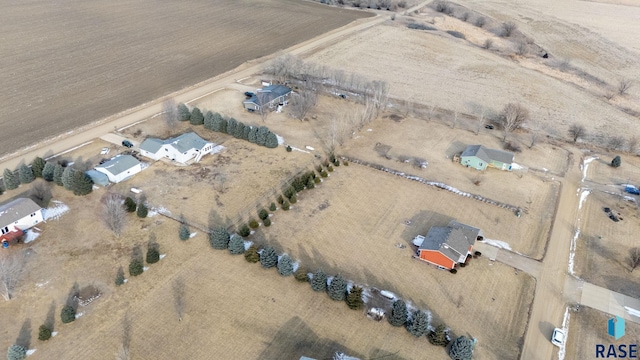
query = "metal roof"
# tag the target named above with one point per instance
(151, 145)
(16, 210)
(268, 93)
(487, 154)
(119, 164)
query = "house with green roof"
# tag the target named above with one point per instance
(180, 149)
(120, 168)
(480, 157)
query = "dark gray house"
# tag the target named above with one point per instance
(269, 96)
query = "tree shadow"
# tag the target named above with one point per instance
(24, 336)
(456, 147)
(421, 222)
(50, 320)
(136, 253)
(622, 285)
(315, 260)
(71, 297)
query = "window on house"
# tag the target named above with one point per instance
(5, 230)
(34, 214)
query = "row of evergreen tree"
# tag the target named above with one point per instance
(71, 179)
(215, 122)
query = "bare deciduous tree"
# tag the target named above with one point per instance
(124, 351)
(178, 297)
(632, 144)
(40, 192)
(12, 261)
(488, 43)
(577, 131)
(454, 120)
(263, 106)
(522, 48)
(609, 94)
(114, 214)
(624, 85)
(634, 258)
(379, 91)
(512, 117)
(616, 143)
(170, 113)
(302, 102)
(508, 29)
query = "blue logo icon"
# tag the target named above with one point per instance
(615, 327)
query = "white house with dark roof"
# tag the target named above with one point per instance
(269, 96)
(180, 149)
(120, 168)
(17, 216)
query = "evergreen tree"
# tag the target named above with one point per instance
(66, 178)
(1, 190)
(285, 265)
(68, 314)
(130, 204)
(16, 352)
(268, 257)
(25, 173)
(461, 349)
(253, 224)
(184, 233)
(247, 130)
(136, 267)
(310, 183)
(302, 274)
(337, 290)
(271, 141)
(289, 192)
(37, 165)
(263, 214)
(239, 130)
(81, 183)
(216, 122)
(143, 211)
(616, 162)
(267, 222)
(208, 120)
(253, 135)
(261, 135)
(244, 230)
(231, 126)
(196, 117)
(153, 254)
(10, 179)
(285, 205)
(219, 238)
(319, 281)
(294, 199)
(252, 255)
(419, 324)
(236, 244)
(398, 313)
(120, 276)
(58, 171)
(354, 298)
(183, 112)
(272, 207)
(438, 336)
(44, 333)
(48, 171)
(223, 125)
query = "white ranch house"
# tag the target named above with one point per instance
(17, 216)
(180, 149)
(120, 168)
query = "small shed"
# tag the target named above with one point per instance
(120, 168)
(97, 177)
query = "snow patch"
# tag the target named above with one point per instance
(309, 148)
(145, 268)
(162, 256)
(498, 244)
(280, 139)
(158, 210)
(247, 244)
(296, 149)
(583, 197)
(632, 311)
(585, 166)
(30, 352)
(216, 149)
(515, 166)
(42, 284)
(389, 295)
(193, 234)
(31, 235)
(572, 249)
(565, 328)
(125, 281)
(79, 315)
(56, 211)
(54, 333)
(296, 265)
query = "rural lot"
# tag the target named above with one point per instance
(398, 174)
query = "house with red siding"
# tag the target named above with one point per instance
(447, 246)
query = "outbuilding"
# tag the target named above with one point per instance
(120, 168)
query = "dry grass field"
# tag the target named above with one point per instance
(74, 62)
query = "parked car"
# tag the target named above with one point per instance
(104, 151)
(559, 337)
(632, 190)
(127, 143)
(488, 126)
(248, 94)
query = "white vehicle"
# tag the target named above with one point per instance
(559, 337)
(104, 151)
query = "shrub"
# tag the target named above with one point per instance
(488, 43)
(266, 222)
(463, 265)
(416, 26)
(130, 204)
(616, 162)
(184, 233)
(136, 267)
(419, 324)
(252, 255)
(319, 168)
(263, 214)
(253, 223)
(298, 184)
(317, 180)
(399, 313)
(480, 22)
(44, 333)
(244, 230)
(508, 29)
(285, 265)
(285, 206)
(289, 192)
(438, 336)
(268, 257)
(324, 174)
(336, 163)
(219, 238)
(280, 200)
(289, 149)
(477, 253)
(319, 281)
(330, 168)
(464, 16)
(456, 34)
(153, 254)
(302, 274)
(143, 211)
(311, 183)
(354, 298)
(444, 7)
(337, 290)
(272, 207)
(120, 276)
(16, 352)
(453, 271)
(294, 199)
(345, 163)
(236, 244)
(68, 314)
